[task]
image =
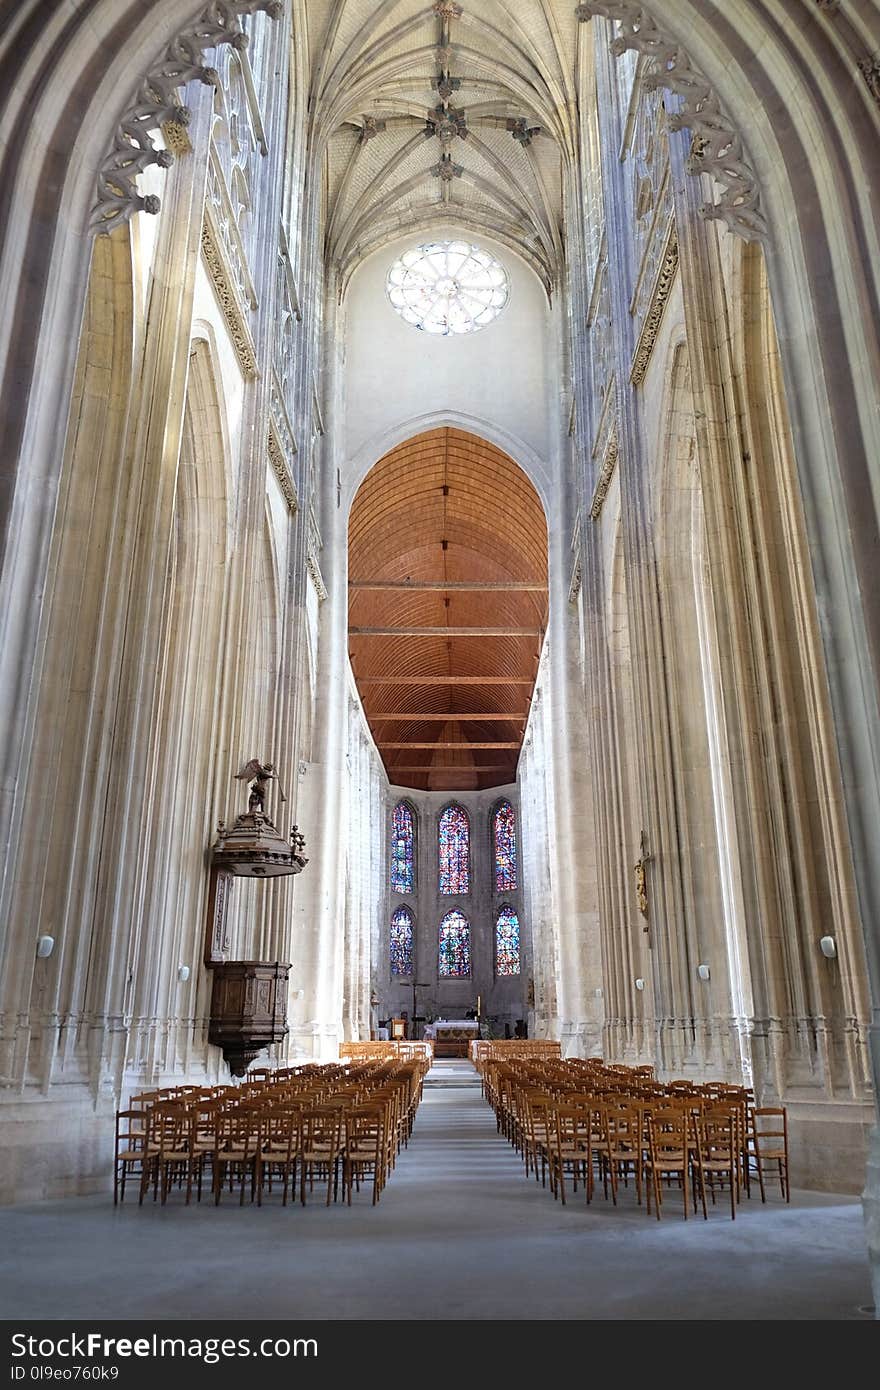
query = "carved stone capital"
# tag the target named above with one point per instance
(156, 107)
(721, 151)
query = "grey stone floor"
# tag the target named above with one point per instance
(460, 1232)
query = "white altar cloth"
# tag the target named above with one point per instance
(468, 1025)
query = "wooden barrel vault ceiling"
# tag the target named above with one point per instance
(447, 559)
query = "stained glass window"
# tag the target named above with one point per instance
(402, 871)
(507, 942)
(455, 945)
(504, 847)
(455, 854)
(402, 942)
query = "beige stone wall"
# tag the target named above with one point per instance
(710, 724)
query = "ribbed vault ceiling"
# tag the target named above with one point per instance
(444, 510)
(428, 112)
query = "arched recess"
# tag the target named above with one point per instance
(447, 608)
(698, 1026)
(186, 734)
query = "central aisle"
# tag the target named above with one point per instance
(459, 1233)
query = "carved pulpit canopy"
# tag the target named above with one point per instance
(253, 847)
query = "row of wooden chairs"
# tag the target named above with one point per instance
(484, 1051)
(342, 1125)
(580, 1122)
(404, 1051)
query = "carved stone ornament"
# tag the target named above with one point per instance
(281, 471)
(156, 106)
(372, 126)
(718, 149)
(870, 70)
(224, 288)
(659, 297)
(521, 131)
(314, 570)
(606, 473)
(445, 170)
(577, 575)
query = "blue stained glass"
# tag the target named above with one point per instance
(402, 870)
(455, 945)
(507, 942)
(504, 846)
(402, 942)
(455, 856)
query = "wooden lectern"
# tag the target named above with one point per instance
(398, 1028)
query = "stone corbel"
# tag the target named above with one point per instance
(717, 148)
(156, 106)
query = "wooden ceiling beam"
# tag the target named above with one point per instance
(449, 767)
(445, 632)
(462, 747)
(496, 717)
(524, 586)
(445, 680)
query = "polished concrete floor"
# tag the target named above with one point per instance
(460, 1232)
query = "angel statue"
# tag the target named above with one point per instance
(259, 773)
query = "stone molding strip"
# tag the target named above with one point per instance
(224, 289)
(314, 570)
(606, 473)
(574, 587)
(659, 296)
(281, 471)
(156, 106)
(717, 147)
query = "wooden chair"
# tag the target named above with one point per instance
(669, 1147)
(569, 1148)
(365, 1152)
(281, 1144)
(168, 1150)
(717, 1153)
(321, 1149)
(238, 1152)
(624, 1128)
(768, 1143)
(129, 1150)
(540, 1123)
